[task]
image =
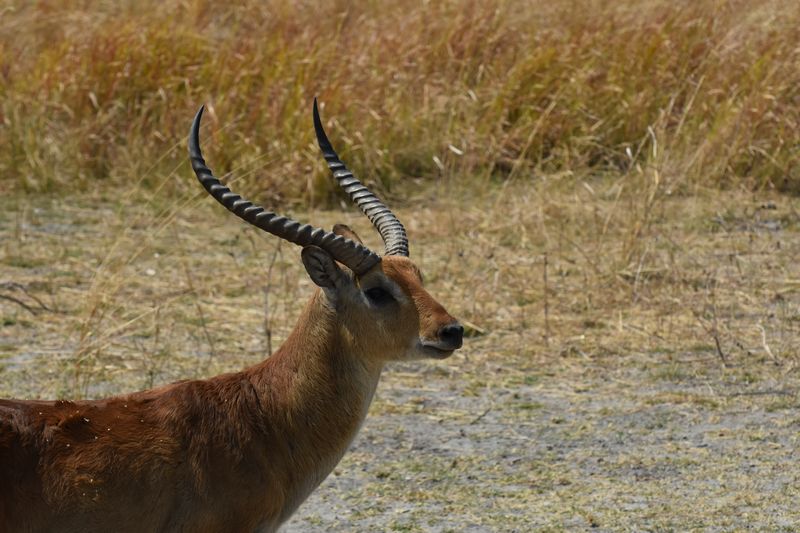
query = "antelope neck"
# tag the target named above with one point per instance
(316, 390)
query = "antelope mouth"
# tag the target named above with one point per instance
(435, 350)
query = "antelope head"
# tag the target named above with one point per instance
(239, 451)
(379, 303)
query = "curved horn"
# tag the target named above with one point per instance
(355, 256)
(392, 231)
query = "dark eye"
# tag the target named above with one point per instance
(378, 296)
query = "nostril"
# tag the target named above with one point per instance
(452, 334)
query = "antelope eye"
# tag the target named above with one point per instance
(378, 296)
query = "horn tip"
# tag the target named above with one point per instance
(322, 137)
(194, 133)
(197, 118)
(199, 114)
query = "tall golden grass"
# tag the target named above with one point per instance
(708, 91)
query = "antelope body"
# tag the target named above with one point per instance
(241, 451)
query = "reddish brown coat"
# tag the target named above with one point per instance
(237, 452)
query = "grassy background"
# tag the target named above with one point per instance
(592, 186)
(104, 91)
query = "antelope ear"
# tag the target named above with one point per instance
(323, 270)
(345, 231)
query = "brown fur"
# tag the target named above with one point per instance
(237, 452)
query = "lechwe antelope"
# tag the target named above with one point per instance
(237, 452)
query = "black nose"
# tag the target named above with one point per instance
(452, 335)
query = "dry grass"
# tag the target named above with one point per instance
(596, 203)
(614, 408)
(104, 90)
(593, 269)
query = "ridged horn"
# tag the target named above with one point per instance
(354, 255)
(392, 231)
